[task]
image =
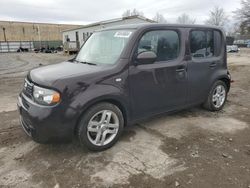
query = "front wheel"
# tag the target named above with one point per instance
(100, 127)
(217, 96)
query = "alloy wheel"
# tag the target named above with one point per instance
(219, 96)
(103, 127)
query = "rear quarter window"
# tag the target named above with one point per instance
(217, 43)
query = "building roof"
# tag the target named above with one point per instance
(112, 21)
(37, 23)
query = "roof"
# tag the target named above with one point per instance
(112, 21)
(148, 25)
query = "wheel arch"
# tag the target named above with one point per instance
(109, 99)
(227, 81)
(222, 75)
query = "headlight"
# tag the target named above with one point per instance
(45, 96)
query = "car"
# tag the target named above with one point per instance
(232, 48)
(123, 75)
(248, 44)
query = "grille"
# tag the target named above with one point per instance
(25, 103)
(28, 88)
(27, 128)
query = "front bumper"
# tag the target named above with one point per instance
(44, 123)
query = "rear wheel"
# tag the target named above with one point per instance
(101, 126)
(217, 96)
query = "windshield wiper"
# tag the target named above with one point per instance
(88, 63)
(84, 62)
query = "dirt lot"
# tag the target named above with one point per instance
(192, 148)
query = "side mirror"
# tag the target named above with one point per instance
(146, 57)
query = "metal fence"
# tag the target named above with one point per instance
(13, 46)
(47, 44)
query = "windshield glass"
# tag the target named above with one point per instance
(104, 47)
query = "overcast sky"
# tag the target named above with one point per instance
(88, 11)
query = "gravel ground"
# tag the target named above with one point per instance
(191, 148)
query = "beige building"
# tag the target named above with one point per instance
(26, 31)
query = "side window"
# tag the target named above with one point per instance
(164, 43)
(198, 44)
(66, 38)
(210, 44)
(217, 43)
(84, 37)
(205, 44)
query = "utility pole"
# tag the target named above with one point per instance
(39, 36)
(4, 34)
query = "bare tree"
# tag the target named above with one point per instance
(233, 29)
(159, 18)
(217, 17)
(126, 13)
(185, 19)
(243, 14)
(133, 12)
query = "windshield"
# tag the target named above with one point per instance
(104, 47)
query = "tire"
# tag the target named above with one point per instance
(211, 103)
(101, 121)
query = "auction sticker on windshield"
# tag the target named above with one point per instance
(123, 34)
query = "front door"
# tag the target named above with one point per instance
(162, 85)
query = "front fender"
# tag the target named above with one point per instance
(94, 94)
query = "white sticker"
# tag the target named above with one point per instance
(122, 34)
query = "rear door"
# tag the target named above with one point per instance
(206, 61)
(161, 85)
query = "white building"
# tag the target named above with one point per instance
(79, 35)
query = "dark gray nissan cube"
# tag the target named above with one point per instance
(122, 75)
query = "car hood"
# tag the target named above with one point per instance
(47, 75)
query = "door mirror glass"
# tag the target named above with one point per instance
(147, 57)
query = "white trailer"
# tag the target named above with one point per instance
(79, 35)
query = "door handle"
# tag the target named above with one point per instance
(181, 72)
(212, 65)
(180, 69)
